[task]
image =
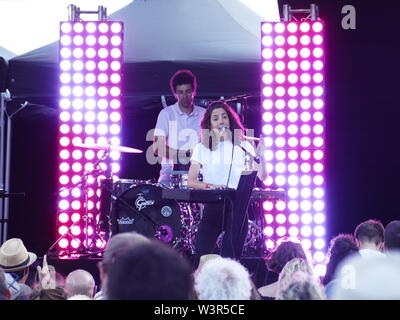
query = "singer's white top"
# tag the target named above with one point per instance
(216, 164)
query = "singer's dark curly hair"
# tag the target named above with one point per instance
(207, 135)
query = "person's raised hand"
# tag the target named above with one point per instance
(46, 275)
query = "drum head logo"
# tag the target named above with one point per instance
(166, 211)
(142, 203)
(125, 221)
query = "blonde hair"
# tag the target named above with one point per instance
(294, 265)
(302, 286)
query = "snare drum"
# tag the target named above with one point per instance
(122, 184)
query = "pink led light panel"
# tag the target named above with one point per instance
(90, 59)
(292, 87)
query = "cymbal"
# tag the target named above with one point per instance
(109, 147)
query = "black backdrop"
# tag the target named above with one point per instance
(362, 116)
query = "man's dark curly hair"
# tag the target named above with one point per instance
(370, 231)
(341, 247)
(284, 252)
(183, 77)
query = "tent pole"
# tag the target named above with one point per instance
(8, 169)
(7, 179)
(2, 127)
(4, 97)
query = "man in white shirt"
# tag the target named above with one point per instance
(178, 127)
(370, 238)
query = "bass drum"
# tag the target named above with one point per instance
(141, 208)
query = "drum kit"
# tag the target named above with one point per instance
(137, 205)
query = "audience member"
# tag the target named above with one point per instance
(80, 297)
(223, 279)
(369, 237)
(50, 284)
(301, 286)
(392, 236)
(149, 271)
(276, 260)
(117, 245)
(341, 247)
(293, 266)
(376, 278)
(15, 259)
(80, 282)
(4, 291)
(49, 294)
(205, 258)
(13, 286)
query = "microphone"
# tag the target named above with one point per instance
(251, 138)
(223, 127)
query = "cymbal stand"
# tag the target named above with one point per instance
(83, 186)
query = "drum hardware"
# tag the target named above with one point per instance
(83, 185)
(100, 232)
(179, 180)
(254, 244)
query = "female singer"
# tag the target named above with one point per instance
(221, 156)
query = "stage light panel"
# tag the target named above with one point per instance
(90, 78)
(292, 88)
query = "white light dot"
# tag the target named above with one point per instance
(294, 218)
(319, 244)
(103, 27)
(319, 231)
(66, 27)
(319, 218)
(293, 193)
(267, 28)
(319, 256)
(116, 27)
(306, 218)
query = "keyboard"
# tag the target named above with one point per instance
(206, 196)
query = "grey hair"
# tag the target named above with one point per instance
(223, 279)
